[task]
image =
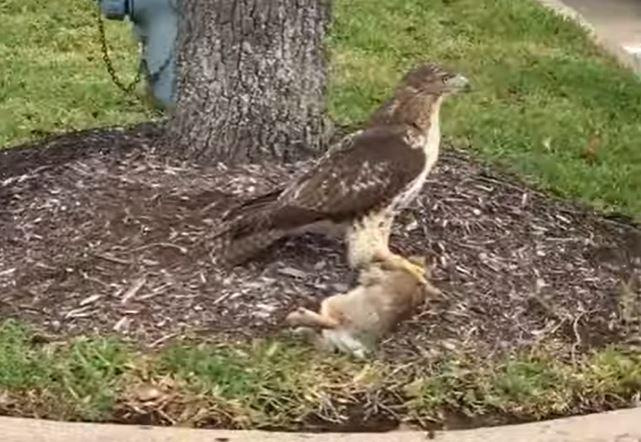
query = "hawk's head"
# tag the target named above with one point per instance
(419, 96)
(431, 79)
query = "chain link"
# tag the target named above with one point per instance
(129, 88)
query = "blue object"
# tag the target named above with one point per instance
(115, 9)
(155, 25)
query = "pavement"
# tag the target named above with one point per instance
(617, 20)
(614, 24)
(615, 426)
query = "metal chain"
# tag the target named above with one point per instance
(110, 68)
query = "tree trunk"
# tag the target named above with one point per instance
(251, 79)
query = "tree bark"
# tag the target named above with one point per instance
(251, 79)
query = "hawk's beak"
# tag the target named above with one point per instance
(459, 84)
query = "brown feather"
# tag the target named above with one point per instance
(363, 176)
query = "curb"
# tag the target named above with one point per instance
(615, 49)
(614, 426)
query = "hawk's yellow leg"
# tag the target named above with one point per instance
(392, 259)
(368, 241)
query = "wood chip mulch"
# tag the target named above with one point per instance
(104, 236)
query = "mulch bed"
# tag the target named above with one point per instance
(100, 234)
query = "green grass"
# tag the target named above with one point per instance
(283, 384)
(76, 380)
(52, 76)
(542, 89)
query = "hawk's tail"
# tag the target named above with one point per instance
(236, 250)
(249, 231)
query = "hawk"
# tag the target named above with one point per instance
(358, 186)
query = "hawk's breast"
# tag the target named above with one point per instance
(411, 191)
(429, 144)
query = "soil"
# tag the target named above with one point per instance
(102, 234)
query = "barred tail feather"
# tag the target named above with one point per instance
(242, 249)
(235, 251)
(256, 225)
(245, 232)
(260, 204)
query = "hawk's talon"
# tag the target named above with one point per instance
(394, 261)
(416, 270)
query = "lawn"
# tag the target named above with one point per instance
(284, 385)
(546, 105)
(52, 76)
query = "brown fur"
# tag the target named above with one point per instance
(354, 321)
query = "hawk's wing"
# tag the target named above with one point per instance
(270, 199)
(365, 174)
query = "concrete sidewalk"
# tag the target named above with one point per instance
(617, 20)
(616, 426)
(614, 24)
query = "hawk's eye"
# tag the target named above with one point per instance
(446, 78)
